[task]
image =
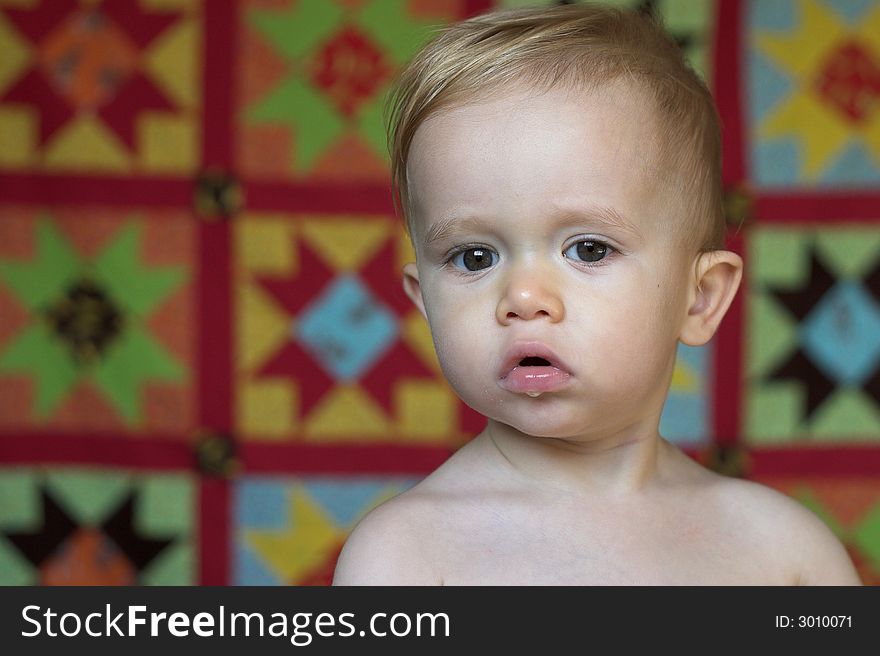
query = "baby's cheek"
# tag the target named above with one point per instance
(451, 346)
(636, 347)
(654, 305)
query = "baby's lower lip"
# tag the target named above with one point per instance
(535, 379)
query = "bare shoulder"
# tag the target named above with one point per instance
(807, 549)
(387, 546)
(393, 543)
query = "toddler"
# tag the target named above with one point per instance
(559, 174)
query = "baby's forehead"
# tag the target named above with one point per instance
(510, 147)
(465, 134)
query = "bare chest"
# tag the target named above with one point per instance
(561, 549)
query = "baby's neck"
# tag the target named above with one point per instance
(620, 465)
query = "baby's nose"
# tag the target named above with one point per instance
(530, 299)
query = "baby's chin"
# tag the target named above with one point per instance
(538, 421)
(549, 415)
(544, 429)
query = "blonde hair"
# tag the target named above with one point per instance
(578, 46)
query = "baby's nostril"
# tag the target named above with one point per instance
(533, 361)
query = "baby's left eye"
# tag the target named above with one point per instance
(589, 250)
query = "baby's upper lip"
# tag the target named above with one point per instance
(525, 349)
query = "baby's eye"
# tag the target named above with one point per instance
(589, 250)
(474, 259)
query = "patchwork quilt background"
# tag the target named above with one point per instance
(208, 368)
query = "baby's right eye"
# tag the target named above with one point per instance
(474, 259)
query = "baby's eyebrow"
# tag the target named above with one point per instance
(599, 216)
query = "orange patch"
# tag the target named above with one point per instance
(172, 323)
(87, 58)
(350, 159)
(87, 409)
(848, 499)
(168, 408)
(17, 238)
(13, 316)
(267, 151)
(168, 239)
(89, 229)
(16, 400)
(88, 558)
(262, 68)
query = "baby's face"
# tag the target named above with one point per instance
(558, 233)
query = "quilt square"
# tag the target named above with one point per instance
(109, 87)
(97, 320)
(813, 93)
(79, 526)
(813, 334)
(329, 347)
(290, 530)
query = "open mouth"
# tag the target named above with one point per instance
(534, 375)
(532, 368)
(534, 361)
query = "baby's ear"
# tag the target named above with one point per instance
(717, 276)
(413, 288)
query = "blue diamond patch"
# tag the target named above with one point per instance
(347, 329)
(842, 333)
